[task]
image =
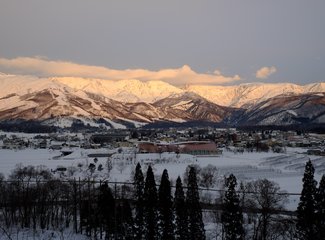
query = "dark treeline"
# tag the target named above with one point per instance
(32, 199)
(305, 128)
(28, 126)
(86, 207)
(35, 126)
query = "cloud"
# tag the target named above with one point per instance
(42, 67)
(265, 72)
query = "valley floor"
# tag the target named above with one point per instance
(286, 169)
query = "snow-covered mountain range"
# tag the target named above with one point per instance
(285, 109)
(45, 99)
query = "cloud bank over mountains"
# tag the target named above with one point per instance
(42, 67)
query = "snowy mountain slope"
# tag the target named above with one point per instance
(66, 103)
(233, 96)
(20, 85)
(191, 106)
(132, 91)
(286, 110)
(246, 95)
(124, 90)
(33, 98)
(314, 87)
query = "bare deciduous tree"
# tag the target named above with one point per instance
(266, 200)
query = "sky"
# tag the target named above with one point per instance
(178, 41)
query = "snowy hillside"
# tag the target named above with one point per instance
(43, 99)
(124, 90)
(250, 94)
(114, 102)
(131, 90)
(287, 109)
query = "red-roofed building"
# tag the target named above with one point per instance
(194, 148)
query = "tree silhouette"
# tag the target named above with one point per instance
(139, 202)
(232, 217)
(165, 206)
(196, 226)
(306, 216)
(106, 208)
(265, 196)
(320, 209)
(150, 207)
(181, 232)
(124, 220)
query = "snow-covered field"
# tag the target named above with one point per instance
(285, 169)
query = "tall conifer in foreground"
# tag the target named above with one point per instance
(138, 197)
(232, 217)
(320, 209)
(196, 226)
(106, 207)
(150, 207)
(165, 207)
(306, 216)
(181, 216)
(124, 220)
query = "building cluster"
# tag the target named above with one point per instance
(189, 147)
(201, 141)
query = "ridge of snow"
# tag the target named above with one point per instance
(237, 96)
(127, 90)
(132, 90)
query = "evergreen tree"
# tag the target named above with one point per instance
(106, 207)
(196, 226)
(150, 207)
(306, 216)
(320, 209)
(181, 231)
(124, 220)
(139, 204)
(232, 217)
(165, 206)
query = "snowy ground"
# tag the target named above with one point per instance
(285, 169)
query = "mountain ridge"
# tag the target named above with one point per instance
(136, 102)
(132, 90)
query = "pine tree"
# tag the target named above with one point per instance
(181, 215)
(139, 204)
(232, 217)
(196, 226)
(165, 206)
(150, 207)
(320, 209)
(306, 216)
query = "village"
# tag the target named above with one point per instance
(200, 141)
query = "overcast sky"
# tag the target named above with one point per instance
(231, 41)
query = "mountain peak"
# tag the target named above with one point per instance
(138, 101)
(134, 90)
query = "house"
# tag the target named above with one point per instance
(200, 148)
